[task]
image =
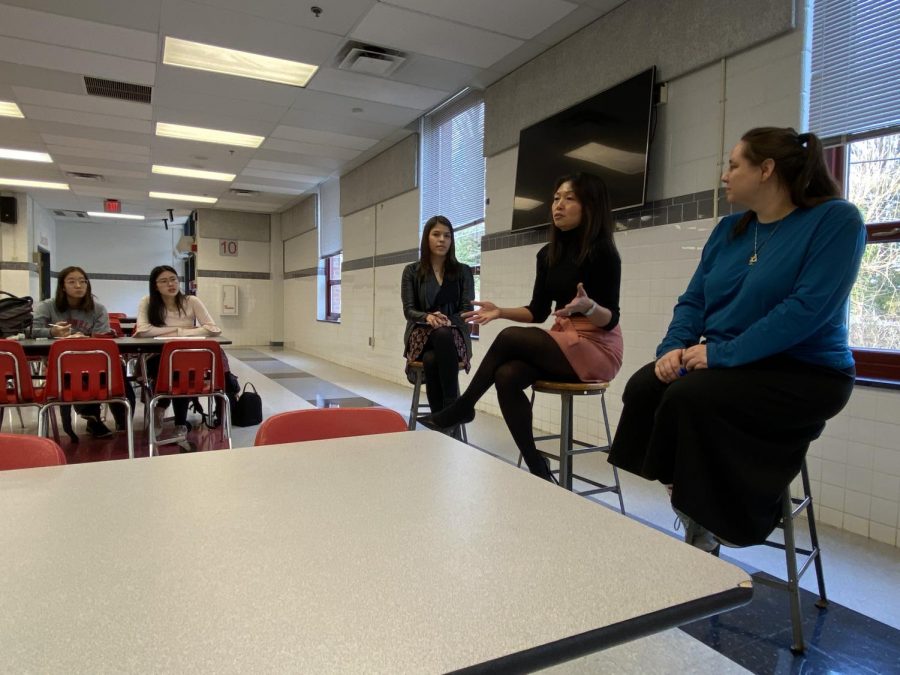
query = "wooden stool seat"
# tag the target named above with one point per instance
(574, 388)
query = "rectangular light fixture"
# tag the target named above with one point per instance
(187, 133)
(233, 62)
(192, 173)
(184, 198)
(10, 109)
(24, 155)
(41, 184)
(122, 216)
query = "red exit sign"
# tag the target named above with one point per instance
(112, 206)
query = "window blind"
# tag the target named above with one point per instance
(453, 161)
(330, 240)
(855, 67)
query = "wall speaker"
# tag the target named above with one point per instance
(9, 210)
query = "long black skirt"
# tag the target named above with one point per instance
(729, 440)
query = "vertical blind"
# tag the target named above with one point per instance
(330, 240)
(855, 66)
(453, 161)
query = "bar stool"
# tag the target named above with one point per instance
(813, 555)
(567, 443)
(416, 405)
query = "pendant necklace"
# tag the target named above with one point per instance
(757, 249)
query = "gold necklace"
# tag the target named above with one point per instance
(756, 250)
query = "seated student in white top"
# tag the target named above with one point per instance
(169, 312)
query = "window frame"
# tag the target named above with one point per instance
(330, 282)
(873, 366)
(474, 328)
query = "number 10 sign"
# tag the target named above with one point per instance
(228, 247)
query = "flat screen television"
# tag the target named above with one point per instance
(607, 135)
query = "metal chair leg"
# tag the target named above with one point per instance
(414, 406)
(793, 580)
(822, 602)
(608, 446)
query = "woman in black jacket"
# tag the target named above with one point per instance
(435, 291)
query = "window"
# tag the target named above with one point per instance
(453, 175)
(333, 287)
(870, 171)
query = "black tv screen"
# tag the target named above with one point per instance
(607, 135)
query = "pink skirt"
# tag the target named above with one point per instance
(594, 354)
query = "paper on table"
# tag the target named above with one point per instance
(175, 337)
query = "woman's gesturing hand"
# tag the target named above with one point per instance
(669, 367)
(580, 304)
(485, 312)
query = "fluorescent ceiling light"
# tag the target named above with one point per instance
(192, 173)
(183, 198)
(24, 155)
(122, 216)
(208, 135)
(233, 62)
(525, 204)
(10, 109)
(45, 185)
(621, 161)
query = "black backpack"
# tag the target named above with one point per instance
(15, 315)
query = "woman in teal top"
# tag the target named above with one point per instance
(756, 356)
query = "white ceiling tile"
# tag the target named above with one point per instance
(581, 17)
(235, 30)
(280, 155)
(323, 137)
(310, 149)
(87, 119)
(519, 18)
(278, 175)
(105, 170)
(216, 84)
(94, 104)
(190, 99)
(284, 167)
(106, 192)
(63, 31)
(398, 28)
(76, 61)
(325, 103)
(428, 71)
(341, 124)
(143, 15)
(272, 189)
(109, 146)
(60, 151)
(337, 17)
(376, 89)
(605, 5)
(43, 78)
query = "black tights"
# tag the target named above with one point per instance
(517, 358)
(441, 366)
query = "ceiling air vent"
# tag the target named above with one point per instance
(122, 91)
(80, 175)
(369, 59)
(60, 213)
(238, 192)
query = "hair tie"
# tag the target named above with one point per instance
(803, 139)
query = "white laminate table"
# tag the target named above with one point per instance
(406, 552)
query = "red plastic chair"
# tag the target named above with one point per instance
(189, 369)
(85, 370)
(19, 451)
(319, 423)
(18, 391)
(116, 327)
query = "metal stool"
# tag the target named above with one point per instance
(814, 555)
(415, 406)
(567, 443)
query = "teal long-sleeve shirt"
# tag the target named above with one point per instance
(792, 301)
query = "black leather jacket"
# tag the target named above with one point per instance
(415, 292)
